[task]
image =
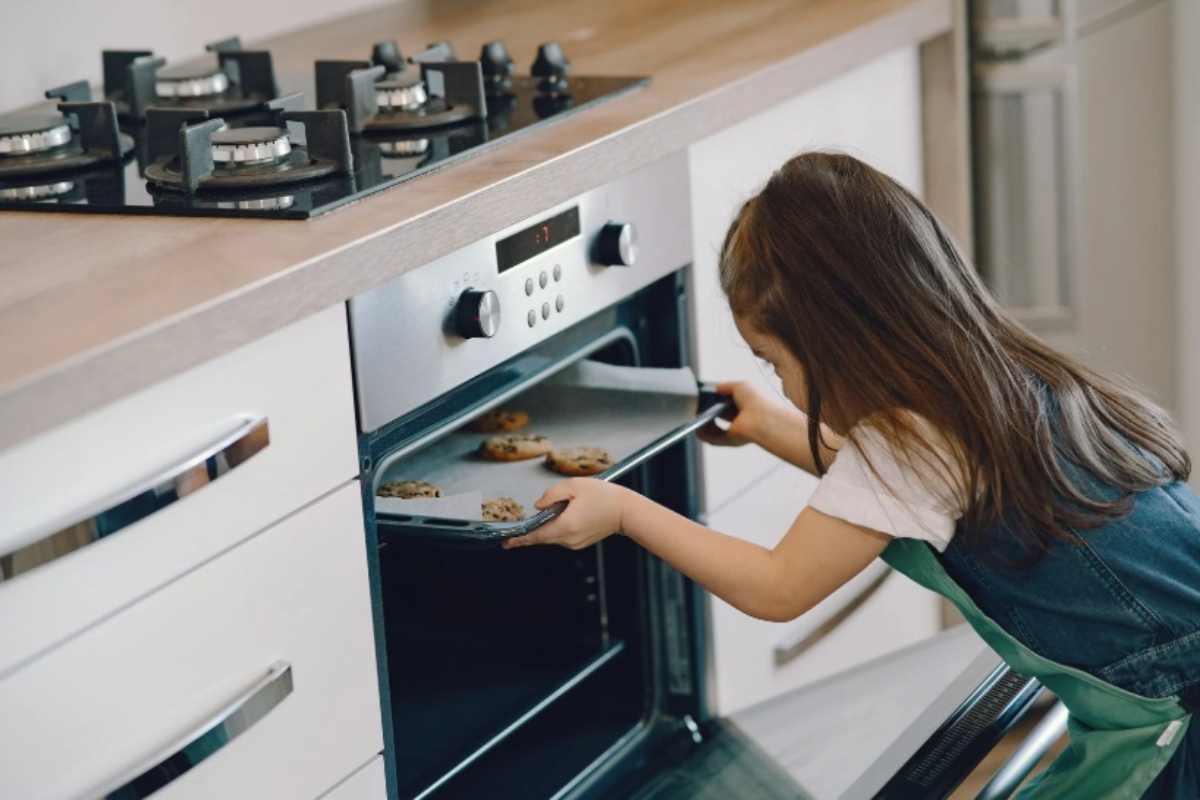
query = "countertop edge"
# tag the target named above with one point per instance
(94, 378)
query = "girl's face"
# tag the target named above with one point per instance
(773, 351)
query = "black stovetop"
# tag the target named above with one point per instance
(176, 140)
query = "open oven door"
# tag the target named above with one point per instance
(931, 757)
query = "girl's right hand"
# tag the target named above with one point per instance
(747, 422)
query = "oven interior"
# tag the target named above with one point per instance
(539, 672)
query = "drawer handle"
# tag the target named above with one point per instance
(793, 647)
(179, 756)
(107, 515)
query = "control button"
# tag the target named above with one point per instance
(477, 314)
(543, 279)
(559, 302)
(545, 311)
(616, 245)
(557, 273)
(531, 318)
(528, 287)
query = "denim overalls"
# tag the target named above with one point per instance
(1112, 627)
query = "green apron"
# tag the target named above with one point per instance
(1120, 741)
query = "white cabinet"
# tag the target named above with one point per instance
(137, 687)
(290, 391)
(873, 113)
(746, 666)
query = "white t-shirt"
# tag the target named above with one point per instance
(902, 504)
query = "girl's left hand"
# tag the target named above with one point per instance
(594, 512)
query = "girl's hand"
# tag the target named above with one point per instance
(754, 409)
(595, 511)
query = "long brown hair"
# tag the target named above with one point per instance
(865, 287)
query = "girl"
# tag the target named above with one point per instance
(1045, 501)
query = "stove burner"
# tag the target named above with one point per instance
(185, 81)
(446, 93)
(82, 136)
(248, 146)
(191, 153)
(239, 81)
(21, 134)
(400, 95)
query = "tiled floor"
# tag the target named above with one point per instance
(983, 773)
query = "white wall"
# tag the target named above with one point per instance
(1186, 48)
(46, 44)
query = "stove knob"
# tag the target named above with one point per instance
(387, 55)
(551, 66)
(495, 61)
(477, 314)
(616, 245)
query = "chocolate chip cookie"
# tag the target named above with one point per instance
(407, 490)
(579, 461)
(503, 509)
(499, 420)
(515, 447)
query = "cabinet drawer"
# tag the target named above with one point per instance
(838, 633)
(137, 688)
(277, 419)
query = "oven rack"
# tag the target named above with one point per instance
(569, 679)
(461, 532)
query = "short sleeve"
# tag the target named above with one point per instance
(895, 498)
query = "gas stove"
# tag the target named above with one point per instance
(217, 137)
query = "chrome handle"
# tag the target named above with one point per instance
(179, 756)
(106, 515)
(793, 647)
(1048, 731)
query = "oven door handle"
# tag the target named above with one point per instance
(451, 531)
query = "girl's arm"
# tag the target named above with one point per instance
(817, 555)
(780, 429)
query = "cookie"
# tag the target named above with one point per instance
(515, 447)
(408, 489)
(579, 461)
(503, 509)
(499, 420)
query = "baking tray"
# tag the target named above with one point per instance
(634, 413)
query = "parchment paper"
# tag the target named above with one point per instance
(621, 409)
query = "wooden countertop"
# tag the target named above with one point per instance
(95, 307)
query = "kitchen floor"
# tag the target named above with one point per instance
(987, 768)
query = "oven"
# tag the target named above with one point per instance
(542, 672)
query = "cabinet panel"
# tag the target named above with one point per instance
(747, 669)
(131, 691)
(154, 504)
(873, 113)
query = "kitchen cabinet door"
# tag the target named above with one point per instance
(754, 660)
(256, 670)
(873, 113)
(109, 507)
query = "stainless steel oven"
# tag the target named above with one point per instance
(542, 672)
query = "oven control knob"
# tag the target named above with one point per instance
(477, 314)
(616, 245)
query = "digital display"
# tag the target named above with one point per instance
(536, 239)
